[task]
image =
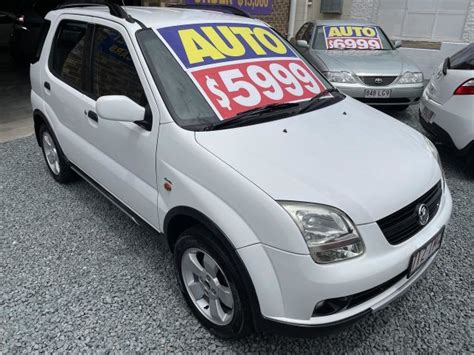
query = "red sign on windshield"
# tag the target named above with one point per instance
(238, 67)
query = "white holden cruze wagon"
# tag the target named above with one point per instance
(287, 205)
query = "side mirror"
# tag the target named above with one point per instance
(302, 43)
(119, 108)
(446, 66)
(397, 43)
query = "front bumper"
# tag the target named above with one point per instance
(401, 94)
(289, 286)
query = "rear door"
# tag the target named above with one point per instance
(63, 82)
(120, 156)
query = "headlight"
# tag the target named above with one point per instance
(341, 77)
(411, 78)
(432, 148)
(329, 233)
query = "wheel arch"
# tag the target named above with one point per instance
(39, 118)
(180, 218)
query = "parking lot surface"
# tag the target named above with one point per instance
(77, 275)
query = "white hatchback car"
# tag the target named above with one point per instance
(286, 204)
(447, 105)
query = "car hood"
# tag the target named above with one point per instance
(347, 155)
(384, 62)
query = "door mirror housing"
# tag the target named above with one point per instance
(302, 43)
(397, 43)
(119, 108)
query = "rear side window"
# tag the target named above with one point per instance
(464, 59)
(42, 37)
(68, 53)
(112, 68)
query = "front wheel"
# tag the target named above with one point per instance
(211, 284)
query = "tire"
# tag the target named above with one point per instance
(205, 267)
(54, 157)
(470, 163)
(399, 107)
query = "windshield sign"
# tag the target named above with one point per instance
(352, 37)
(238, 67)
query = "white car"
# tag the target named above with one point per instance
(447, 105)
(286, 204)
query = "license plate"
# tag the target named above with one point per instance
(422, 255)
(377, 93)
(427, 114)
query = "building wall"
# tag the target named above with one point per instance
(278, 18)
(468, 33)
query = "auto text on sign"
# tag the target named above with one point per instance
(238, 67)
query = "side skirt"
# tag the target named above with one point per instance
(132, 215)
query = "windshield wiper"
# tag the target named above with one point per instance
(318, 101)
(248, 116)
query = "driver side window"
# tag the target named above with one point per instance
(301, 32)
(112, 68)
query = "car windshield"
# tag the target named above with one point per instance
(210, 73)
(351, 37)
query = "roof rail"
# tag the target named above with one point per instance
(115, 9)
(219, 8)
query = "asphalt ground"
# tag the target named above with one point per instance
(77, 275)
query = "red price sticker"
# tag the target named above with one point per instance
(239, 87)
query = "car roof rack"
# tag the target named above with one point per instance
(219, 8)
(114, 9)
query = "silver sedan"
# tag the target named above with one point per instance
(360, 60)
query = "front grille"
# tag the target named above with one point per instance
(403, 224)
(335, 305)
(378, 80)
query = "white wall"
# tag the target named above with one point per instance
(450, 22)
(429, 59)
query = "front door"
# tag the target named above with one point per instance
(120, 156)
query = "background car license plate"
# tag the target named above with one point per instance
(421, 256)
(377, 93)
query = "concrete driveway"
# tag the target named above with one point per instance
(15, 109)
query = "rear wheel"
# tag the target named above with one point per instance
(55, 160)
(211, 284)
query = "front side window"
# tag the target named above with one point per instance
(69, 47)
(351, 37)
(207, 73)
(302, 31)
(308, 33)
(112, 68)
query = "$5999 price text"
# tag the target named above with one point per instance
(240, 87)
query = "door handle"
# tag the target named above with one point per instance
(47, 85)
(93, 116)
